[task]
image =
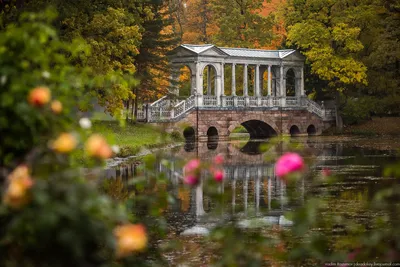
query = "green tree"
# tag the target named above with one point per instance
(157, 40)
(241, 24)
(110, 29)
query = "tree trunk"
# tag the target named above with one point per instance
(127, 109)
(339, 121)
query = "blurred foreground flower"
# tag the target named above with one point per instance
(288, 164)
(19, 182)
(96, 146)
(130, 238)
(192, 172)
(219, 175)
(85, 123)
(218, 159)
(39, 96)
(65, 143)
(56, 106)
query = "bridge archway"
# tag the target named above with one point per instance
(259, 129)
(294, 131)
(212, 138)
(291, 85)
(311, 130)
(190, 139)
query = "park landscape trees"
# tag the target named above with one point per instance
(53, 215)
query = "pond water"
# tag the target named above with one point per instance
(256, 195)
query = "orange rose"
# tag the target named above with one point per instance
(19, 182)
(39, 96)
(97, 146)
(130, 238)
(65, 143)
(56, 106)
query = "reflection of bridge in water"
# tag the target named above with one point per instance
(253, 188)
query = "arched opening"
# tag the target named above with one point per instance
(190, 139)
(209, 80)
(290, 83)
(311, 130)
(185, 81)
(259, 129)
(294, 131)
(212, 140)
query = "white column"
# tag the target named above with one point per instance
(199, 86)
(245, 83)
(233, 79)
(281, 89)
(302, 82)
(218, 89)
(209, 80)
(222, 79)
(269, 81)
(257, 81)
(174, 80)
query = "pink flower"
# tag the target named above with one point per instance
(191, 180)
(219, 175)
(288, 163)
(218, 159)
(326, 172)
(192, 165)
(352, 256)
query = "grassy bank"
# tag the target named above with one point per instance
(132, 138)
(375, 127)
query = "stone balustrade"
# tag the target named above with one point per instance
(165, 109)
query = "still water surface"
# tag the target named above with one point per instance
(255, 193)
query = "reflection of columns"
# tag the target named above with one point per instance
(269, 191)
(245, 83)
(233, 79)
(199, 200)
(208, 80)
(269, 80)
(245, 189)
(257, 189)
(281, 185)
(233, 195)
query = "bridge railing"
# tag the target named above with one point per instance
(169, 109)
(210, 101)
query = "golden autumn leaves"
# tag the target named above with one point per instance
(20, 186)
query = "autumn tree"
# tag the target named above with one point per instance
(242, 24)
(112, 31)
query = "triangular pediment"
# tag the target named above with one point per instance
(294, 56)
(214, 51)
(182, 52)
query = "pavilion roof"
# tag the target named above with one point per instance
(241, 52)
